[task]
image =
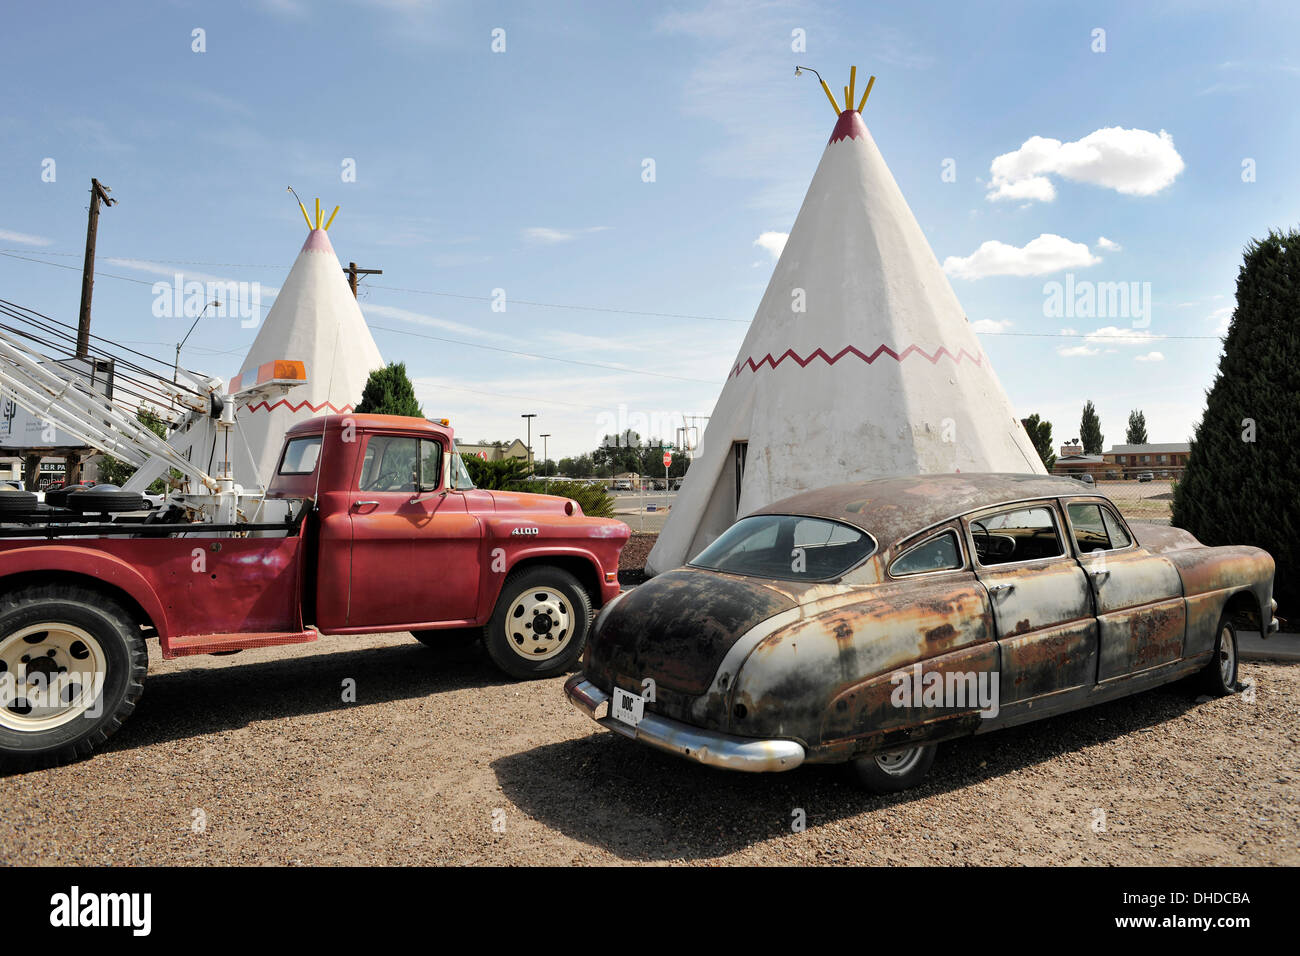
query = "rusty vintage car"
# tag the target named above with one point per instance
(866, 622)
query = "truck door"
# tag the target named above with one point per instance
(1042, 606)
(415, 549)
(1141, 614)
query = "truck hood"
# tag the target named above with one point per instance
(677, 627)
(506, 502)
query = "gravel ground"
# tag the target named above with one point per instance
(261, 749)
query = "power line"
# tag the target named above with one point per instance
(558, 305)
(549, 358)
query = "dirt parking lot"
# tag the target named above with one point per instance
(256, 758)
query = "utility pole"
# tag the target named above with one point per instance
(352, 272)
(98, 193)
(546, 457)
(529, 416)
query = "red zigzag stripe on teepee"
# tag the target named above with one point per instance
(263, 406)
(832, 359)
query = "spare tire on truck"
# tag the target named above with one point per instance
(105, 499)
(16, 503)
(72, 666)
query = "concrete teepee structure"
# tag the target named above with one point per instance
(859, 363)
(315, 320)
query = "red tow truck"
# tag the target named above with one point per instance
(383, 531)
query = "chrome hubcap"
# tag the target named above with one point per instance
(50, 674)
(898, 762)
(539, 624)
(1227, 657)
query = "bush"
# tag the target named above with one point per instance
(1242, 481)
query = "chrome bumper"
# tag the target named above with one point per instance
(694, 743)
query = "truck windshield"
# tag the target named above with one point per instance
(460, 479)
(787, 547)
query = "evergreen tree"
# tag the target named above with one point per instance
(1090, 430)
(1242, 482)
(1040, 433)
(1137, 428)
(388, 391)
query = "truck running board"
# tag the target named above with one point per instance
(191, 644)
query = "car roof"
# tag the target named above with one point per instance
(891, 509)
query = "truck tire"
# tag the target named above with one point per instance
(105, 500)
(72, 666)
(540, 624)
(1219, 678)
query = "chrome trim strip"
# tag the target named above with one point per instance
(706, 747)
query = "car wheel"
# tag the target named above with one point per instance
(1220, 675)
(894, 770)
(449, 637)
(72, 666)
(540, 624)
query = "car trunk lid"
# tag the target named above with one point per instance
(677, 628)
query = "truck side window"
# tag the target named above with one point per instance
(392, 463)
(430, 464)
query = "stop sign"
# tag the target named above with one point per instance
(668, 458)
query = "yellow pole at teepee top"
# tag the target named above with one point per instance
(830, 96)
(318, 212)
(866, 93)
(331, 218)
(853, 75)
(305, 218)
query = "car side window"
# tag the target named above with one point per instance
(941, 553)
(1118, 536)
(391, 463)
(1096, 528)
(430, 464)
(1021, 534)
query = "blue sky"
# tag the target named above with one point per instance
(522, 170)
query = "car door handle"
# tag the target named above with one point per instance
(996, 589)
(365, 504)
(1100, 574)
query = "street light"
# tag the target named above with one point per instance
(529, 416)
(546, 458)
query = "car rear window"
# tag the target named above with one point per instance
(786, 547)
(300, 455)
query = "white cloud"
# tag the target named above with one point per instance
(1107, 245)
(1114, 335)
(419, 318)
(24, 238)
(1151, 357)
(773, 242)
(1135, 162)
(990, 325)
(1222, 318)
(551, 236)
(1046, 254)
(1075, 351)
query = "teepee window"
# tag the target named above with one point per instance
(738, 451)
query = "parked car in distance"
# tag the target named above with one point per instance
(1085, 478)
(1146, 476)
(865, 623)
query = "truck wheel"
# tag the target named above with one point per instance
(72, 666)
(894, 770)
(1219, 678)
(540, 624)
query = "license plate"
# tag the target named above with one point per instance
(628, 708)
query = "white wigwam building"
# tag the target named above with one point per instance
(859, 363)
(315, 320)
